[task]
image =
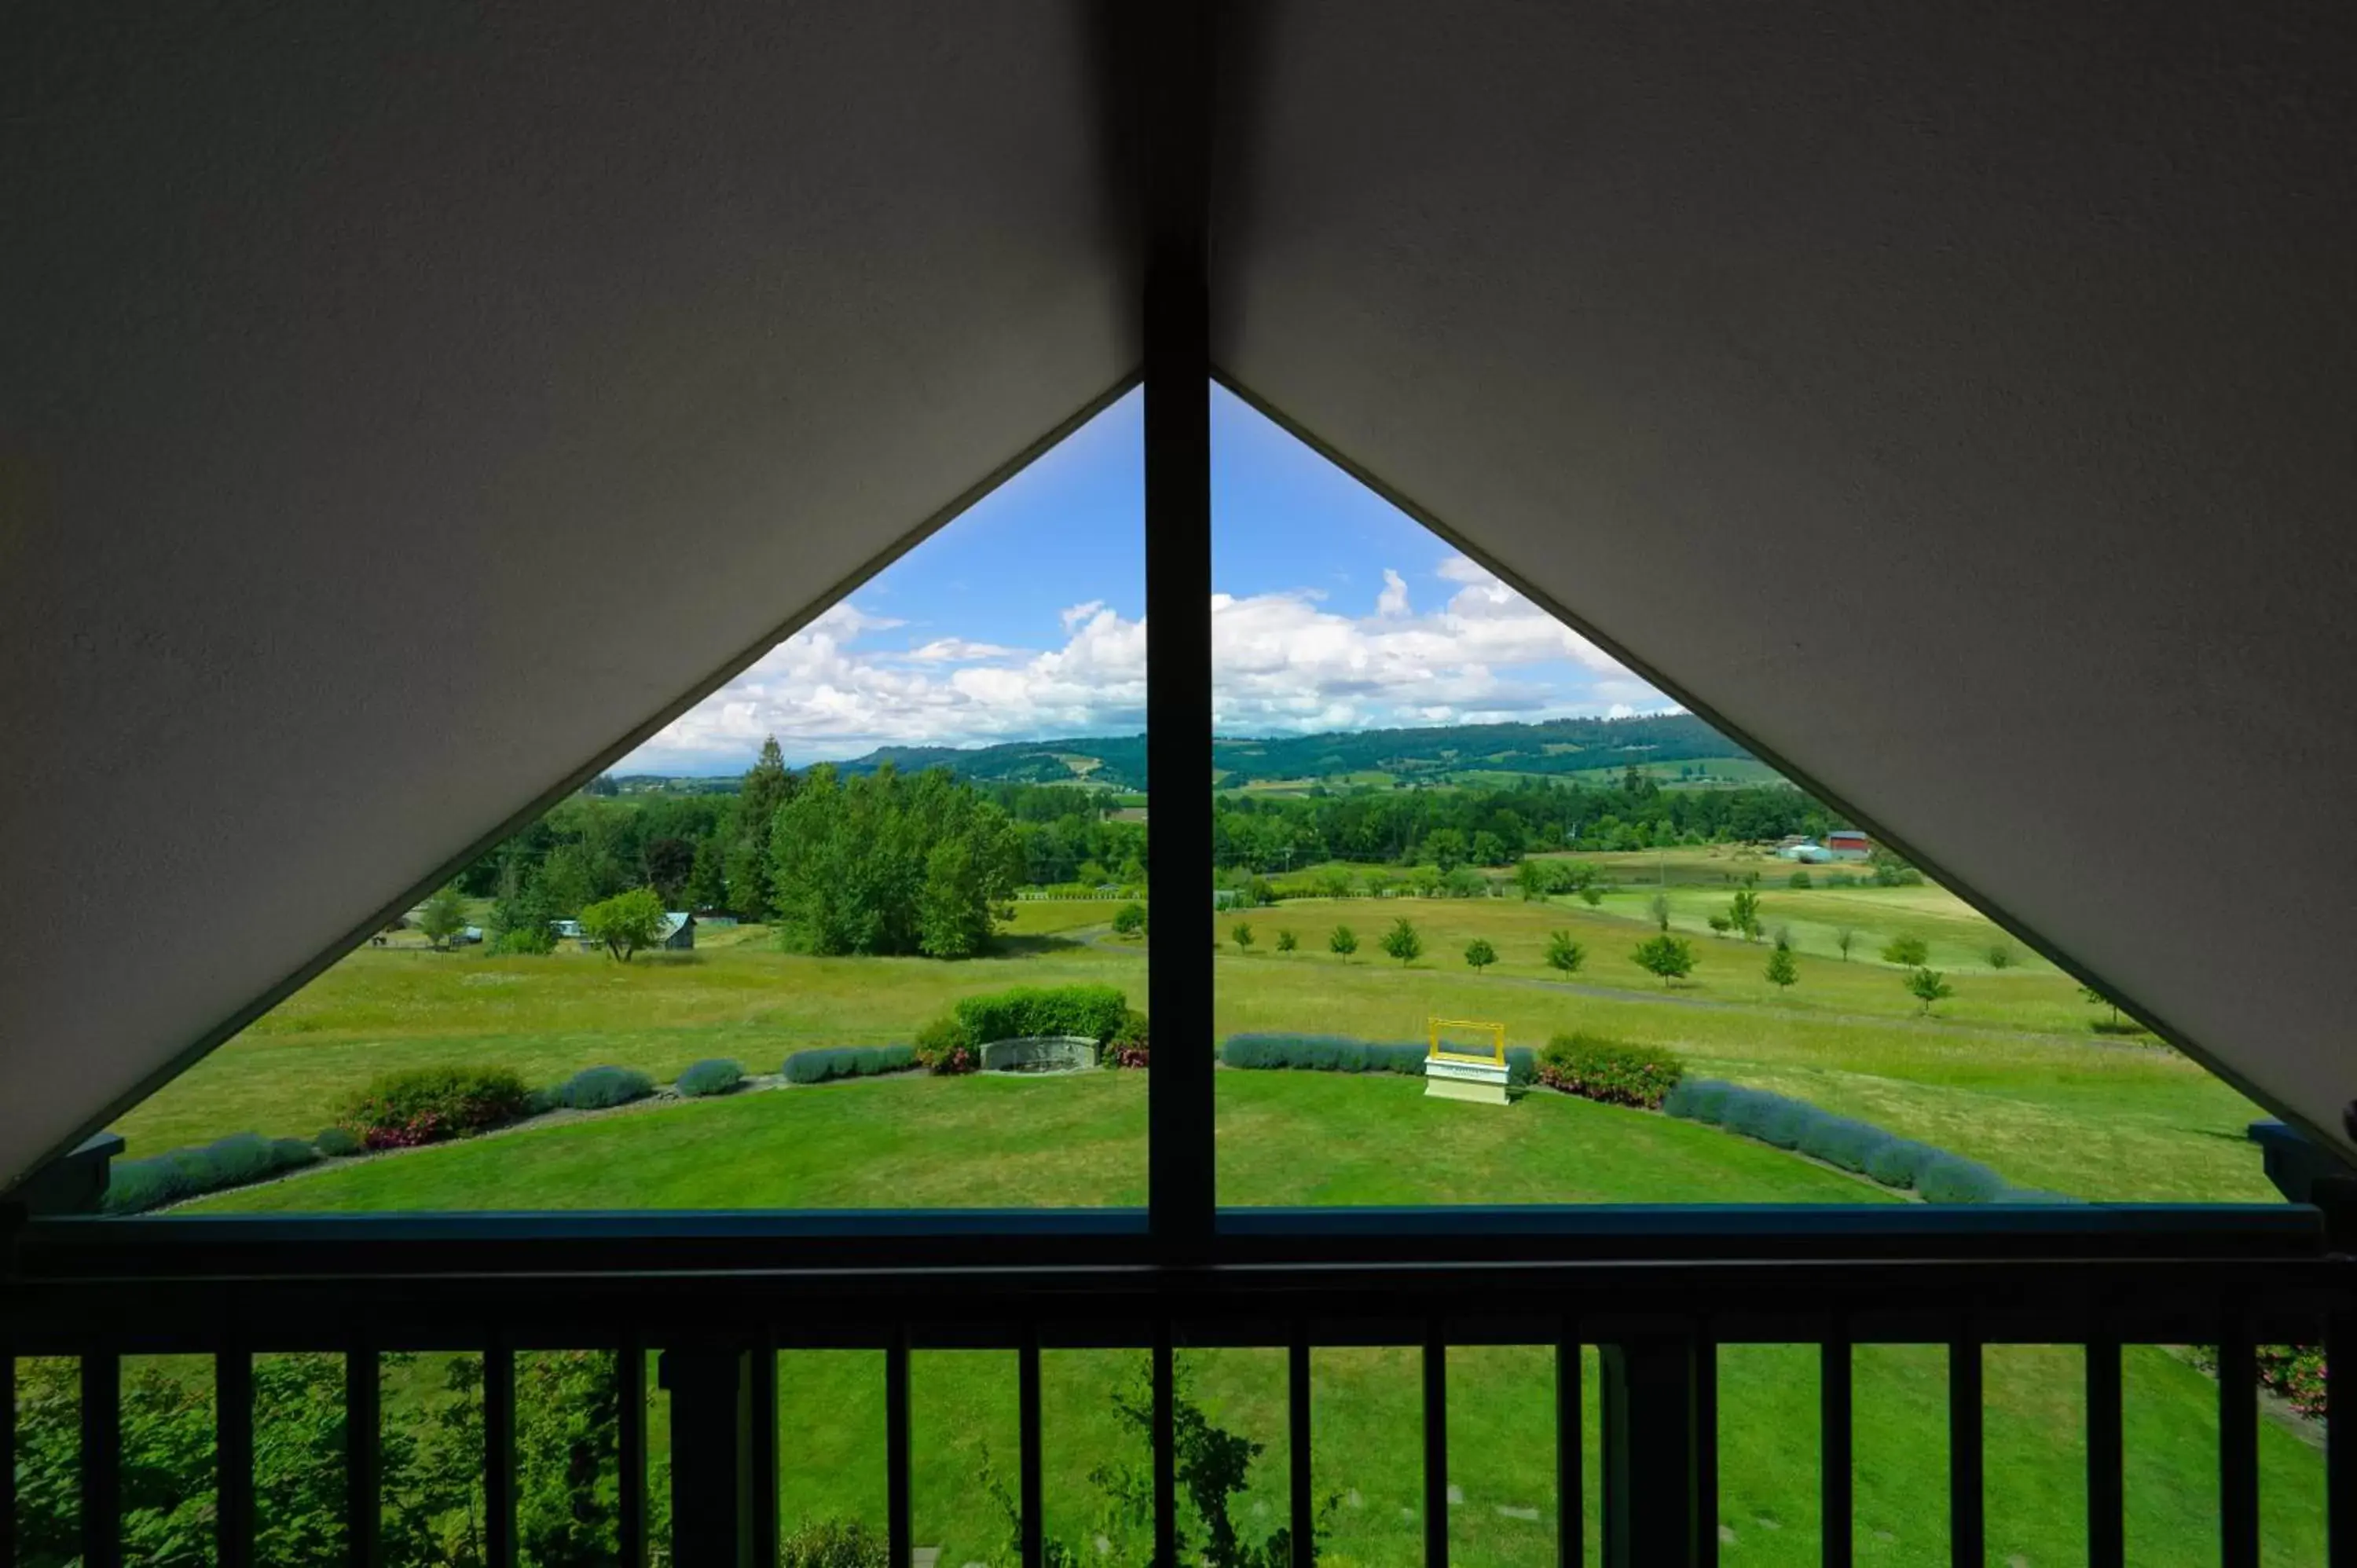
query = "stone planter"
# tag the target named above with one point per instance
(1040, 1053)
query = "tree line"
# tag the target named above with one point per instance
(1477, 825)
(875, 861)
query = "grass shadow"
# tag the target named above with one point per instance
(1012, 945)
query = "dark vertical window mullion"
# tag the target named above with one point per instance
(364, 1423)
(1296, 1413)
(2107, 1543)
(1570, 1455)
(1174, 65)
(101, 1460)
(2238, 1449)
(1964, 1490)
(233, 1458)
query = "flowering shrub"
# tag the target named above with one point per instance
(426, 1105)
(2296, 1373)
(1609, 1071)
(947, 1046)
(426, 1127)
(1127, 1056)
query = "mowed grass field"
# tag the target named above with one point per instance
(2008, 1073)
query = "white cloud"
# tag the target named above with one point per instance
(1281, 662)
(957, 649)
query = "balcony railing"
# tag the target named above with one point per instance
(709, 1297)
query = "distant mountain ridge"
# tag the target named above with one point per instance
(1552, 746)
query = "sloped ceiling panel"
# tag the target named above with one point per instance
(398, 403)
(1956, 399)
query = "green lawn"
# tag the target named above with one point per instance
(2007, 1074)
(1326, 1138)
(1366, 1410)
(910, 1141)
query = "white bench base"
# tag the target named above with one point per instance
(1484, 1083)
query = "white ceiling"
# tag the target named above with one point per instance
(1959, 400)
(403, 408)
(402, 404)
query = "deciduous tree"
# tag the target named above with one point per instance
(1928, 986)
(1907, 952)
(443, 916)
(1668, 957)
(624, 923)
(1564, 955)
(1343, 943)
(1403, 943)
(1481, 954)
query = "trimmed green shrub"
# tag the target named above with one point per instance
(1521, 1066)
(426, 1105)
(336, 1142)
(1698, 1099)
(292, 1154)
(1844, 1141)
(716, 1076)
(1326, 1053)
(1952, 1178)
(847, 1061)
(1608, 1070)
(1840, 1141)
(603, 1088)
(1900, 1161)
(1089, 1012)
(135, 1185)
(833, 1543)
(1747, 1110)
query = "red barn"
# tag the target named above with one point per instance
(1848, 844)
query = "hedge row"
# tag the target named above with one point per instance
(952, 1043)
(1338, 1053)
(847, 1061)
(1784, 1122)
(134, 1185)
(1089, 1012)
(718, 1076)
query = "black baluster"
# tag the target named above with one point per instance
(1966, 1543)
(1834, 1450)
(363, 1465)
(101, 1461)
(1570, 1457)
(2238, 1450)
(2106, 1519)
(1436, 1447)
(630, 1451)
(1028, 1422)
(233, 1458)
(1297, 1412)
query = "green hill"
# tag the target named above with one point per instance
(1561, 747)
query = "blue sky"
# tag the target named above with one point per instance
(1023, 619)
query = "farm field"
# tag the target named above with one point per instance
(2008, 1073)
